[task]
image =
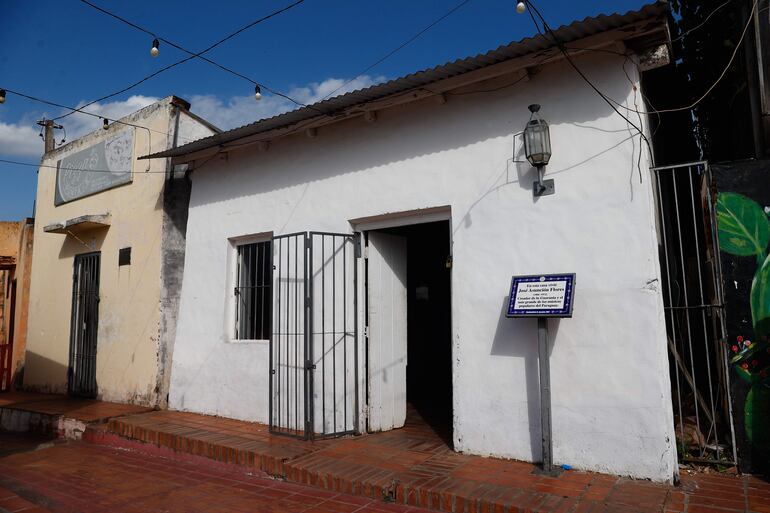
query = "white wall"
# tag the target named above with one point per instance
(610, 384)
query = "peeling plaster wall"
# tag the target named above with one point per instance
(22, 275)
(15, 243)
(130, 353)
(610, 385)
(176, 198)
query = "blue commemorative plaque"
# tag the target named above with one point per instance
(541, 295)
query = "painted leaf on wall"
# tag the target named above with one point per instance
(757, 416)
(760, 299)
(743, 227)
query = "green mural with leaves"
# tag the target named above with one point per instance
(744, 230)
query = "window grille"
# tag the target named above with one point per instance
(253, 291)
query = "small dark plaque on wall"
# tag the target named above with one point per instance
(124, 256)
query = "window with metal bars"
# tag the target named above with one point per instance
(253, 291)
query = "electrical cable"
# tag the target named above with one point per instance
(712, 13)
(482, 91)
(31, 164)
(718, 80)
(192, 55)
(400, 47)
(567, 56)
(200, 54)
(59, 105)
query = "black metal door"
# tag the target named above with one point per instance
(314, 343)
(84, 323)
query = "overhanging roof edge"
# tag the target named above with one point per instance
(577, 30)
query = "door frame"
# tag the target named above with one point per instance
(71, 390)
(362, 226)
(6, 348)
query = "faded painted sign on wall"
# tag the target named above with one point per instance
(102, 166)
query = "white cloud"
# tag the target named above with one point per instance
(79, 124)
(242, 110)
(22, 138)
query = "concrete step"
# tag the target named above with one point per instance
(25, 421)
(57, 415)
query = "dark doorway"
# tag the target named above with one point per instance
(84, 324)
(429, 324)
(6, 348)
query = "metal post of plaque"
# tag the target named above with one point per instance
(543, 296)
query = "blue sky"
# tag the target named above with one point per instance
(69, 53)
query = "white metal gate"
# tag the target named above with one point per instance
(314, 342)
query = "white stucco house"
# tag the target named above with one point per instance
(353, 257)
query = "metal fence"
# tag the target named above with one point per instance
(695, 318)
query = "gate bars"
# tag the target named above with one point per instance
(695, 317)
(314, 345)
(84, 325)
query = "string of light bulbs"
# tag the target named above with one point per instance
(105, 120)
(155, 51)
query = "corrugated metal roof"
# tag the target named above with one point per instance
(566, 34)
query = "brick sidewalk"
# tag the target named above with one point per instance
(77, 477)
(412, 466)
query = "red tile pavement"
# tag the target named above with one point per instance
(86, 410)
(413, 466)
(79, 477)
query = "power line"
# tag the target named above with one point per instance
(716, 82)
(712, 13)
(574, 66)
(658, 112)
(31, 164)
(59, 105)
(193, 55)
(401, 46)
(199, 55)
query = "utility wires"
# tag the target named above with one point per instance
(192, 55)
(401, 46)
(73, 109)
(565, 52)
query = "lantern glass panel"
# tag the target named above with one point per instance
(537, 142)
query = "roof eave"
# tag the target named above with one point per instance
(586, 35)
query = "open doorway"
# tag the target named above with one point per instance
(410, 327)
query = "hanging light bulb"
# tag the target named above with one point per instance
(154, 51)
(521, 7)
(105, 123)
(2, 95)
(257, 93)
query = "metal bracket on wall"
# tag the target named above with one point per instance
(544, 188)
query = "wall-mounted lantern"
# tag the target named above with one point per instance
(537, 148)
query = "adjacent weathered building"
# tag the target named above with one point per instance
(109, 247)
(15, 262)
